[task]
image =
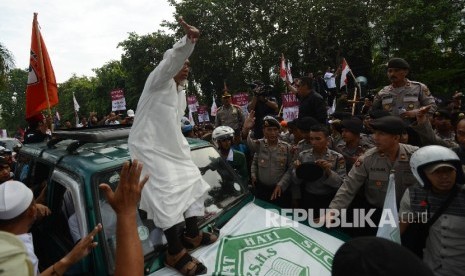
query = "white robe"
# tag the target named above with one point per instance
(156, 140)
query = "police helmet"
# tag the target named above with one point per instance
(430, 155)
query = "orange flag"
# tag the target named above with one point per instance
(41, 91)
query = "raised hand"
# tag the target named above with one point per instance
(192, 32)
(127, 194)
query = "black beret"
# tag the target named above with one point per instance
(353, 125)
(398, 63)
(442, 113)
(309, 171)
(389, 124)
(341, 115)
(375, 114)
(306, 123)
(269, 121)
(3, 161)
(376, 256)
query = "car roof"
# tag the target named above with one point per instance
(89, 150)
(9, 143)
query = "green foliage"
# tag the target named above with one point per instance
(6, 63)
(86, 96)
(141, 55)
(242, 41)
(13, 101)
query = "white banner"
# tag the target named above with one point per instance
(118, 102)
(203, 114)
(249, 245)
(192, 103)
(290, 107)
(242, 100)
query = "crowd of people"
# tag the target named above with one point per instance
(316, 162)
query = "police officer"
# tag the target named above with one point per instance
(371, 171)
(352, 145)
(403, 97)
(317, 193)
(229, 114)
(443, 127)
(443, 135)
(303, 128)
(270, 164)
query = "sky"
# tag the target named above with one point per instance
(80, 35)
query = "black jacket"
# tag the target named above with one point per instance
(314, 106)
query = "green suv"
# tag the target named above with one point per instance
(75, 162)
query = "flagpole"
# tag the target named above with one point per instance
(42, 66)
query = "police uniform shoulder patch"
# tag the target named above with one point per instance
(425, 89)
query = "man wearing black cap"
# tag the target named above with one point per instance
(443, 135)
(352, 145)
(403, 97)
(371, 170)
(229, 114)
(303, 128)
(270, 164)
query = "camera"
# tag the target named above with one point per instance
(261, 89)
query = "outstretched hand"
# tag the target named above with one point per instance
(84, 246)
(421, 114)
(192, 32)
(127, 195)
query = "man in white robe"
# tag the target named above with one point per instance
(175, 190)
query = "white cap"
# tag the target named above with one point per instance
(15, 198)
(432, 168)
(130, 113)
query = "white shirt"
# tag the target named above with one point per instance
(28, 243)
(157, 141)
(330, 80)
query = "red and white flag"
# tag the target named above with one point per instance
(345, 71)
(282, 68)
(288, 72)
(214, 108)
(42, 90)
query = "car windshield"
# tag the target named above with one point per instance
(226, 188)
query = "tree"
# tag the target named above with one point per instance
(141, 55)
(6, 63)
(13, 101)
(84, 91)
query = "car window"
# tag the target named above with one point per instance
(225, 190)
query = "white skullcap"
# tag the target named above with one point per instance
(15, 198)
